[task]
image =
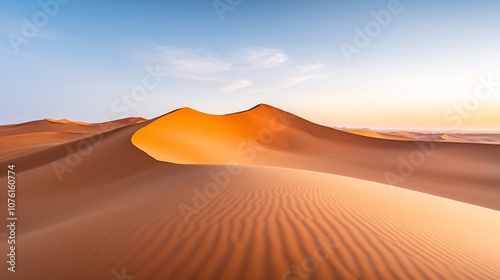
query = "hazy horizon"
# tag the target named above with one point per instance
(340, 127)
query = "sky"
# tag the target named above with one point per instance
(407, 64)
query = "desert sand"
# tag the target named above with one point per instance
(21, 139)
(260, 194)
(450, 137)
(268, 136)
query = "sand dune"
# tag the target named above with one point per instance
(110, 209)
(268, 136)
(66, 121)
(381, 135)
(261, 225)
(472, 138)
(22, 139)
(49, 125)
(450, 137)
(417, 136)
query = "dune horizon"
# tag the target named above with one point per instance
(256, 194)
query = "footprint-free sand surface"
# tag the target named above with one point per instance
(21, 139)
(196, 196)
(450, 137)
(268, 136)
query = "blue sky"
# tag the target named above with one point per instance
(407, 64)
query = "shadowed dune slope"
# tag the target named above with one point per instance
(116, 209)
(260, 225)
(268, 136)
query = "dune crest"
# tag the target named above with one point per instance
(25, 138)
(450, 137)
(268, 136)
(119, 209)
(66, 121)
(189, 136)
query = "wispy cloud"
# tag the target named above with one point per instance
(310, 68)
(199, 66)
(234, 85)
(262, 58)
(184, 60)
(221, 83)
(254, 69)
(304, 73)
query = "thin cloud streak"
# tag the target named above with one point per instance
(241, 70)
(262, 58)
(183, 60)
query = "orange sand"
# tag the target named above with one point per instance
(120, 210)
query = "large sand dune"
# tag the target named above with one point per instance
(108, 209)
(267, 136)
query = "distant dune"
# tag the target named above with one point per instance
(451, 137)
(472, 138)
(260, 194)
(380, 135)
(21, 139)
(66, 121)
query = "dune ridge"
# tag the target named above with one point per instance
(120, 209)
(265, 135)
(66, 121)
(22, 139)
(450, 137)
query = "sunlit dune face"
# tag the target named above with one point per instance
(304, 205)
(266, 136)
(189, 136)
